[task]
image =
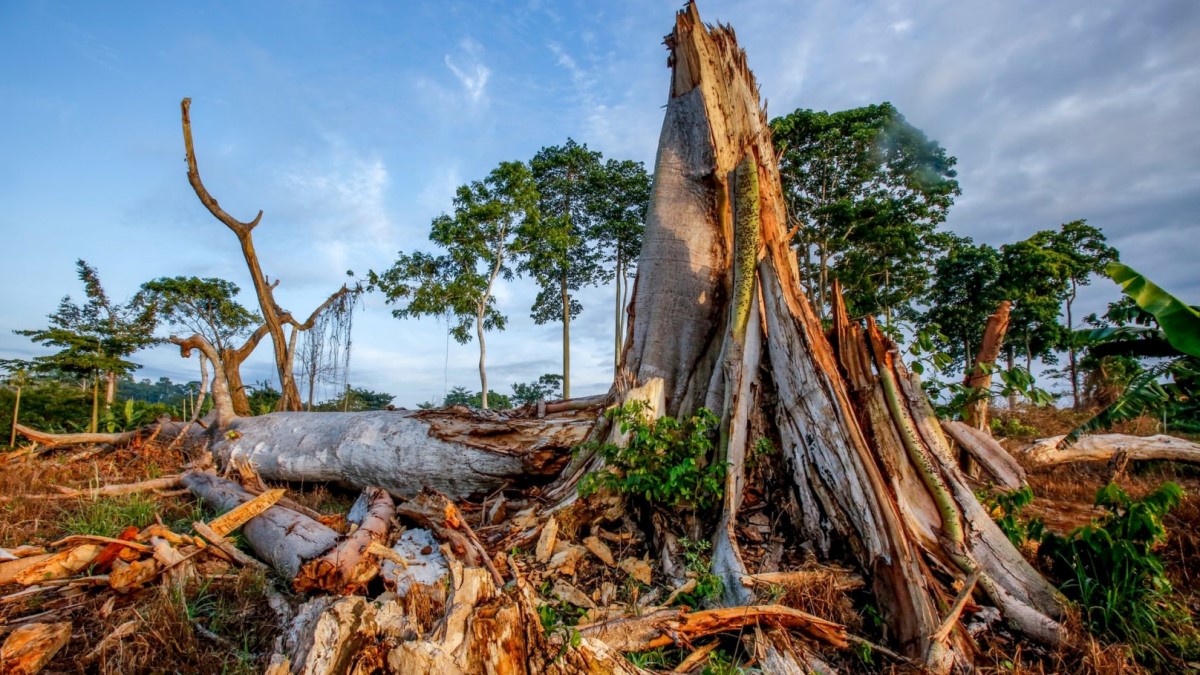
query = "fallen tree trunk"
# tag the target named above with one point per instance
(453, 451)
(987, 453)
(1102, 447)
(282, 538)
(55, 440)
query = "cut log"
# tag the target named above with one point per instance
(282, 538)
(404, 451)
(1102, 447)
(988, 454)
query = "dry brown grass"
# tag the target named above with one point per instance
(231, 606)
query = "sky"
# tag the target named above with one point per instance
(350, 125)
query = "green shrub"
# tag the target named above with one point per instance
(665, 462)
(1006, 507)
(1112, 571)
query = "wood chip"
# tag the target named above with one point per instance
(59, 565)
(9, 570)
(29, 648)
(565, 591)
(564, 562)
(232, 520)
(547, 540)
(600, 550)
(133, 576)
(638, 569)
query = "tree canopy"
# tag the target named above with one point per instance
(494, 221)
(865, 192)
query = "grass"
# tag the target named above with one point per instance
(107, 516)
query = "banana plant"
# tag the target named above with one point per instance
(1176, 337)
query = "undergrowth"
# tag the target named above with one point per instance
(107, 516)
(1111, 570)
(665, 461)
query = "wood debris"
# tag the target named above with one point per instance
(30, 647)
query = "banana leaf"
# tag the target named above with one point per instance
(1180, 322)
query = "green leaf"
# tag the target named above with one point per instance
(1180, 322)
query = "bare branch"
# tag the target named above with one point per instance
(239, 228)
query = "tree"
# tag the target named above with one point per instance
(965, 292)
(274, 316)
(95, 338)
(546, 387)
(865, 191)
(209, 308)
(1084, 252)
(621, 192)
(493, 222)
(562, 258)
(1033, 279)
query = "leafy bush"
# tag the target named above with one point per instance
(1005, 508)
(665, 461)
(1112, 571)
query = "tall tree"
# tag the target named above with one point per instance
(209, 308)
(1033, 279)
(621, 193)
(95, 338)
(965, 292)
(865, 191)
(562, 259)
(1084, 253)
(494, 220)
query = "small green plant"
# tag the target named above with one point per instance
(864, 652)
(1112, 571)
(665, 461)
(721, 663)
(1006, 507)
(659, 658)
(699, 566)
(763, 448)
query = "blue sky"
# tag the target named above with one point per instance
(350, 125)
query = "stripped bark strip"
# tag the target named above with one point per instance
(55, 440)
(224, 546)
(669, 626)
(232, 520)
(987, 453)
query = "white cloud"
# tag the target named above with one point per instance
(471, 71)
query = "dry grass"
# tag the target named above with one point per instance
(231, 606)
